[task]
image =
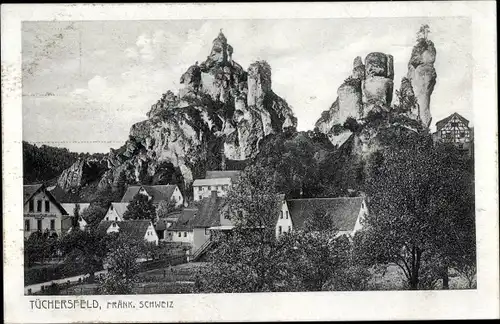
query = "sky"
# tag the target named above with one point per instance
(86, 83)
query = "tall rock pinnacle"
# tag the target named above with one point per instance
(422, 76)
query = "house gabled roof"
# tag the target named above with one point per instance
(184, 222)
(233, 174)
(119, 207)
(441, 123)
(70, 207)
(158, 193)
(134, 228)
(212, 182)
(30, 190)
(344, 210)
(209, 212)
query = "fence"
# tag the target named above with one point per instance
(166, 262)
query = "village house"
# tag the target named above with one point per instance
(163, 224)
(42, 212)
(182, 231)
(455, 129)
(115, 211)
(136, 229)
(70, 208)
(155, 193)
(347, 212)
(219, 181)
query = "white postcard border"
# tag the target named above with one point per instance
(480, 303)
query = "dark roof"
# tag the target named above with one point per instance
(208, 214)
(233, 174)
(344, 210)
(444, 121)
(135, 228)
(30, 190)
(103, 227)
(162, 192)
(184, 221)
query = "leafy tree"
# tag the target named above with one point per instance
(38, 247)
(85, 251)
(119, 186)
(122, 266)
(164, 208)
(420, 197)
(244, 262)
(423, 32)
(76, 216)
(94, 214)
(141, 207)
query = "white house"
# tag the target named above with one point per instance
(284, 222)
(219, 181)
(202, 188)
(155, 194)
(138, 229)
(115, 211)
(347, 212)
(42, 212)
(70, 208)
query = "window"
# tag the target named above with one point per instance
(240, 214)
(280, 229)
(462, 134)
(31, 206)
(179, 234)
(289, 228)
(114, 225)
(185, 234)
(281, 215)
(207, 231)
(53, 224)
(200, 197)
(180, 198)
(47, 206)
(107, 218)
(454, 124)
(116, 218)
(461, 146)
(287, 214)
(26, 224)
(39, 224)
(39, 206)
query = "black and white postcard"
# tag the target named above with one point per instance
(249, 162)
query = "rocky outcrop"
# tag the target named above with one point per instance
(422, 76)
(221, 110)
(80, 173)
(368, 88)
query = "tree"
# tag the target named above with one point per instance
(164, 208)
(94, 214)
(419, 199)
(320, 221)
(122, 266)
(119, 186)
(85, 251)
(141, 207)
(423, 32)
(76, 216)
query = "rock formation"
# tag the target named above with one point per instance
(221, 109)
(422, 76)
(80, 173)
(369, 88)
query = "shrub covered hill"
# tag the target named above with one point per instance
(226, 117)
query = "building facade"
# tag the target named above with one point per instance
(42, 212)
(455, 129)
(155, 194)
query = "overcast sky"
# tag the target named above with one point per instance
(86, 83)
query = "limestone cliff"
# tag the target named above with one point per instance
(368, 88)
(422, 76)
(221, 110)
